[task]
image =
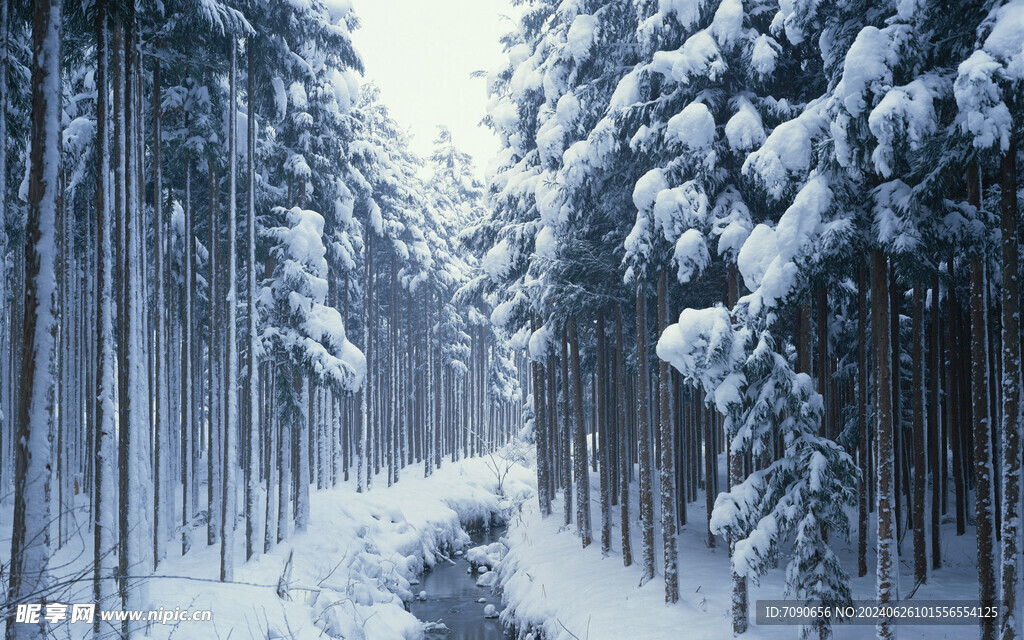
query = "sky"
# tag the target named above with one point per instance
(421, 53)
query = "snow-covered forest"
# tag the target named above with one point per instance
(732, 315)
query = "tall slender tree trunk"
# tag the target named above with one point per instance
(284, 449)
(213, 413)
(105, 506)
(902, 486)
(863, 454)
(668, 498)
(540, 418)
(187, 359)
(982, 433)
(303, 425)
(30, 542)
(227, 541)
(644, 436)
(251, 430)
(120, 275)
(580, 439)
(544, 428)
(551, 435)
(887, 553)
(134, 432)
(822, 373)
(161, 432)
(367, 397)
(917, 407)
(953, 394)
(736, 458)
(624, 457)
(566, 439)
(272, 452)
(706, 423)
(603, 439)
(7, 320)
(1011, 382)
(936, 453)
(438, 377)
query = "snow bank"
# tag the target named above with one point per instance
(351, 571)
(555, 590)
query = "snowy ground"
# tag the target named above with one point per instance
(362, 552)
(350, 570)
(551, 584)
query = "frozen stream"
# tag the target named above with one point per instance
(453, 598)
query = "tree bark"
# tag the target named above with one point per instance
(1011, 382)
(160, 374)
(104, 507)
(566, 439)
(954, 410)
(624, 458)
(580, 439)
(936, 453)
(917, 407)
(644, 436)
(982, 434)
(251, 430)
(668, 472)
(887, 552)
(30, 543)
(227, 544)
(603, 440)
(862, 420)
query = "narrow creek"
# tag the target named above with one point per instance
(452, 597)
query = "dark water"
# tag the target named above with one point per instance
(452, 597)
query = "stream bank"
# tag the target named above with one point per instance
(454, 605)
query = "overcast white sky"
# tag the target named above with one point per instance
(421, 54)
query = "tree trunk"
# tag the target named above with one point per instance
(187, 355)
(668, 498)
(134, 432)
(917, 406)
(624, 458)
(251, 430)
(935, 451)
(580, 438)
(213, 484)
(30, 544)
(539, 418)
(1011, 381)
(954, 410)
(367, 398)
(304, 418)
(105, 506)
(227, 545)
(822, 373)
(161, 430)
(887, 552)
(272, 456)
(566, 438)
(863, 454)
(438, 378)
(602, 429)
(644, 436)
(7, 321)
(982, 432)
